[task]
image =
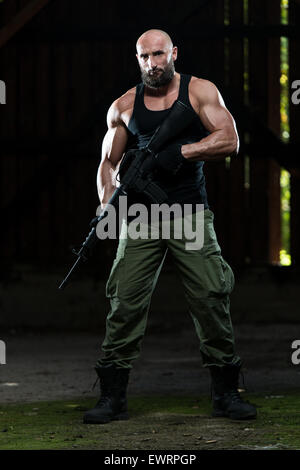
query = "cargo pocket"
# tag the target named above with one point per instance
(219, 278)
(228, 276)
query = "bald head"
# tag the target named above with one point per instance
(154, 36)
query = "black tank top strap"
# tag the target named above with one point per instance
(140, 91)
(184, 88)
(139, 97)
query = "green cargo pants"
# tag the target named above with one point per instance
(207, 280)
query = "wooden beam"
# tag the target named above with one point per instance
(273, 120)
(21, 18)
(69, 33)
(294, 50)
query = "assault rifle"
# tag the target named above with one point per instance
(178, 118)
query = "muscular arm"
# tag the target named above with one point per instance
(113, 147)
(223, 139)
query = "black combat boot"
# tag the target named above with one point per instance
(226, 398)
(112, 404)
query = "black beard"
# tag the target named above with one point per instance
(163, 79)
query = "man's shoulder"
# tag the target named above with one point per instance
(201, 85)
(125, 101)
(121, 108)
(203, 91)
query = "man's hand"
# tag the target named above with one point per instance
(170, 159)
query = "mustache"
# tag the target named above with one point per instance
(155, 70)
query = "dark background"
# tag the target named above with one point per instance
(63, 63)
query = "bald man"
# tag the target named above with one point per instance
(178, 169)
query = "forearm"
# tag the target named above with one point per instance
(106, 181)
(216, 146)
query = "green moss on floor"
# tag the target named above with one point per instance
(181, 423)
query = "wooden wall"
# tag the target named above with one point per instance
(62, 71)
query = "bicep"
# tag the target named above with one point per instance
(216, 118)
(214, 114)
(114, 144)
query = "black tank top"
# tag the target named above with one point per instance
(188, 185)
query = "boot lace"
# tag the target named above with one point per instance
(235, 396)
(103, 400)
(104, 397)
(97, 379)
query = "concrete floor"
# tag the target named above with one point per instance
(59, 365)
